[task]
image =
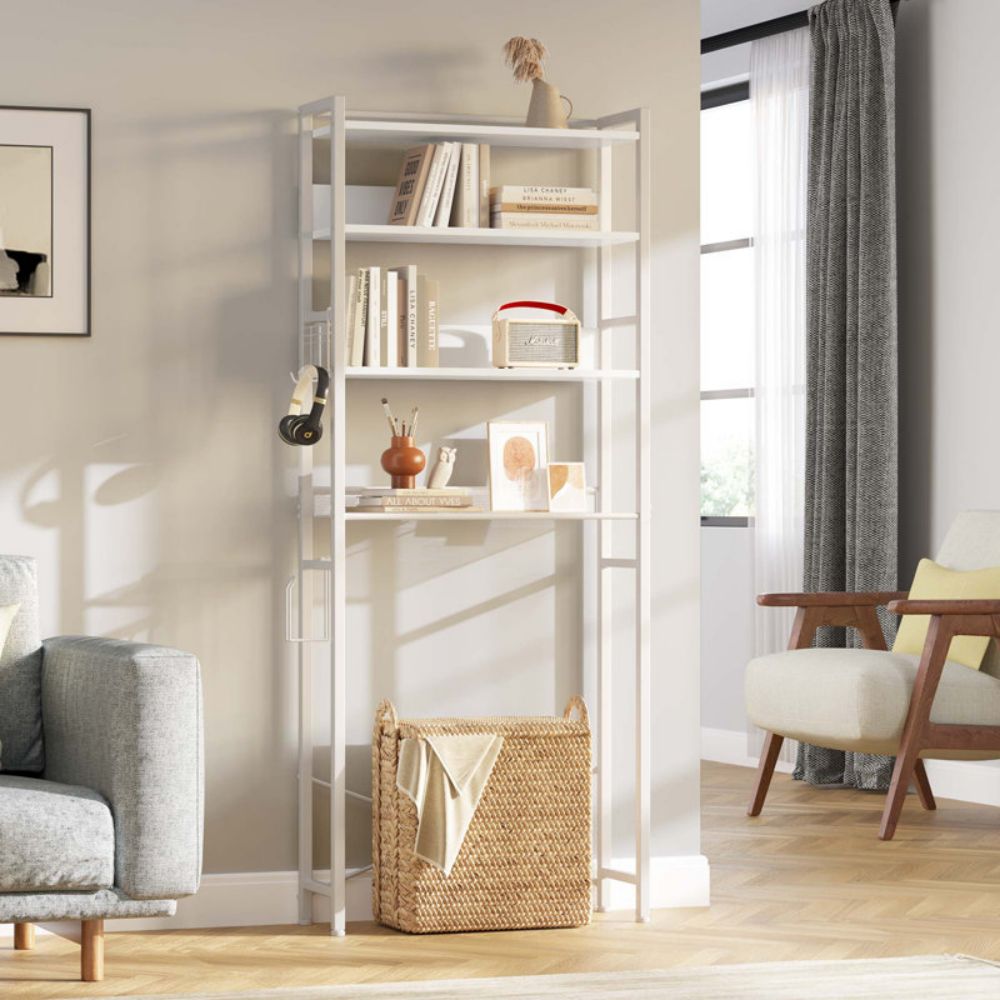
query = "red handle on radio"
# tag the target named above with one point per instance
(530, 304)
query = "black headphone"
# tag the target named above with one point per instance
(306, 428)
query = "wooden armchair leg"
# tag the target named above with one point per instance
(92, 951)
(24, 937)
(768, 758)
(902, 774)
(923, 784)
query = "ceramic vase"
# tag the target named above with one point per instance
(404, 461)
(546, 109)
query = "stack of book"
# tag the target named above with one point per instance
(443, 184)
(392, 318)
(385, 500)
(520, 206)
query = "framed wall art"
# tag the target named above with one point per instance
(567, 487)
(518, 463)
(45, 221)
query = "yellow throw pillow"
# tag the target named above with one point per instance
(934, 582)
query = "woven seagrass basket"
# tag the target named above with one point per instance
(525, 859)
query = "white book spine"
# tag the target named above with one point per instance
(411, 317)
(443, 214)
(360, 319)
(542, 220)
(541, 194)
(352, 308)
(432, 190)
(391, 307)
(373, 353)
(465, 211)
(484, 186)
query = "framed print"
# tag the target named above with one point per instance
(518, 462)
(567, 486)
(45, 221)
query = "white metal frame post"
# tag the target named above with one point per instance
(605, 540)
(305, 545)
(338, 534)
(644, 493)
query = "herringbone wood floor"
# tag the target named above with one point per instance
(807, 880)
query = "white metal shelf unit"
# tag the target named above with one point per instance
(330, 120)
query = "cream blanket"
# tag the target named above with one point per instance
(445, 777)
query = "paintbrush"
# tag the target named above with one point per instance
(390, 418)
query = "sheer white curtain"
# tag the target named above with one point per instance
(779, 100)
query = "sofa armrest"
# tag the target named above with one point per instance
(125, 719)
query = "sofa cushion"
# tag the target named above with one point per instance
(53, 837)
(21, 669)
(857, 699)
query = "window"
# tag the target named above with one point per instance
(727, 308)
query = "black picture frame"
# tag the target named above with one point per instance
(87, 206)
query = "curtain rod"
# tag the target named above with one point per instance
(764, 29)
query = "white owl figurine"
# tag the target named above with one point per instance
(443, 468)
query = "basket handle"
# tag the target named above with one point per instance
(576, 702)
(385, 714)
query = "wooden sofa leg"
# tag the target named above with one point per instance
(92, 951)
(768, 758)
(24, 937)
(923, 784)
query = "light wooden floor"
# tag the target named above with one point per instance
(807, 880)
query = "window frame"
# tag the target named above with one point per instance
(717, 97)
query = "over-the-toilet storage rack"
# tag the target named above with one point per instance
(321, 578)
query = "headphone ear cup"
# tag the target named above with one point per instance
(286, 428)
(307, 434)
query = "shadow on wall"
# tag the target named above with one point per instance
(915, 213)
(159, 496)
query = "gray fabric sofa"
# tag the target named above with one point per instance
(101, 776)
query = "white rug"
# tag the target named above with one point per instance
(929, 977)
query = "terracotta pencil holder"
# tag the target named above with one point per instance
(403, 461)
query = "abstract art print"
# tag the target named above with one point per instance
(44, 221)
(567, 487)
(518, 463)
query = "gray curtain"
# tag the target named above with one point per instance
(851, 383)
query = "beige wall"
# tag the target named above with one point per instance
(142, 466)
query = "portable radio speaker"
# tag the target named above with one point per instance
(536, 343)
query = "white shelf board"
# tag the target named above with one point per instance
(405, 132)
(494, 515)
(357, 233)
(493, 374)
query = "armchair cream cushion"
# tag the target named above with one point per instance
(857, 699)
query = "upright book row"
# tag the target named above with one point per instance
(443, 184)
(392, 318)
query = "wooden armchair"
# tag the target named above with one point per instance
(875, 701)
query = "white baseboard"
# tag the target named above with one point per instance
(674, 881)
(254, 899)
(729, 746)
(962, 780)
(965, 780)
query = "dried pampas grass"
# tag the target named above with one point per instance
(524, 56)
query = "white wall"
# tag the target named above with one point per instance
(726, 625)
(142, 466)
(949, 350)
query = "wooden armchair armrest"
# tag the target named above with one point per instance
(944, 607)
(831, 599)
